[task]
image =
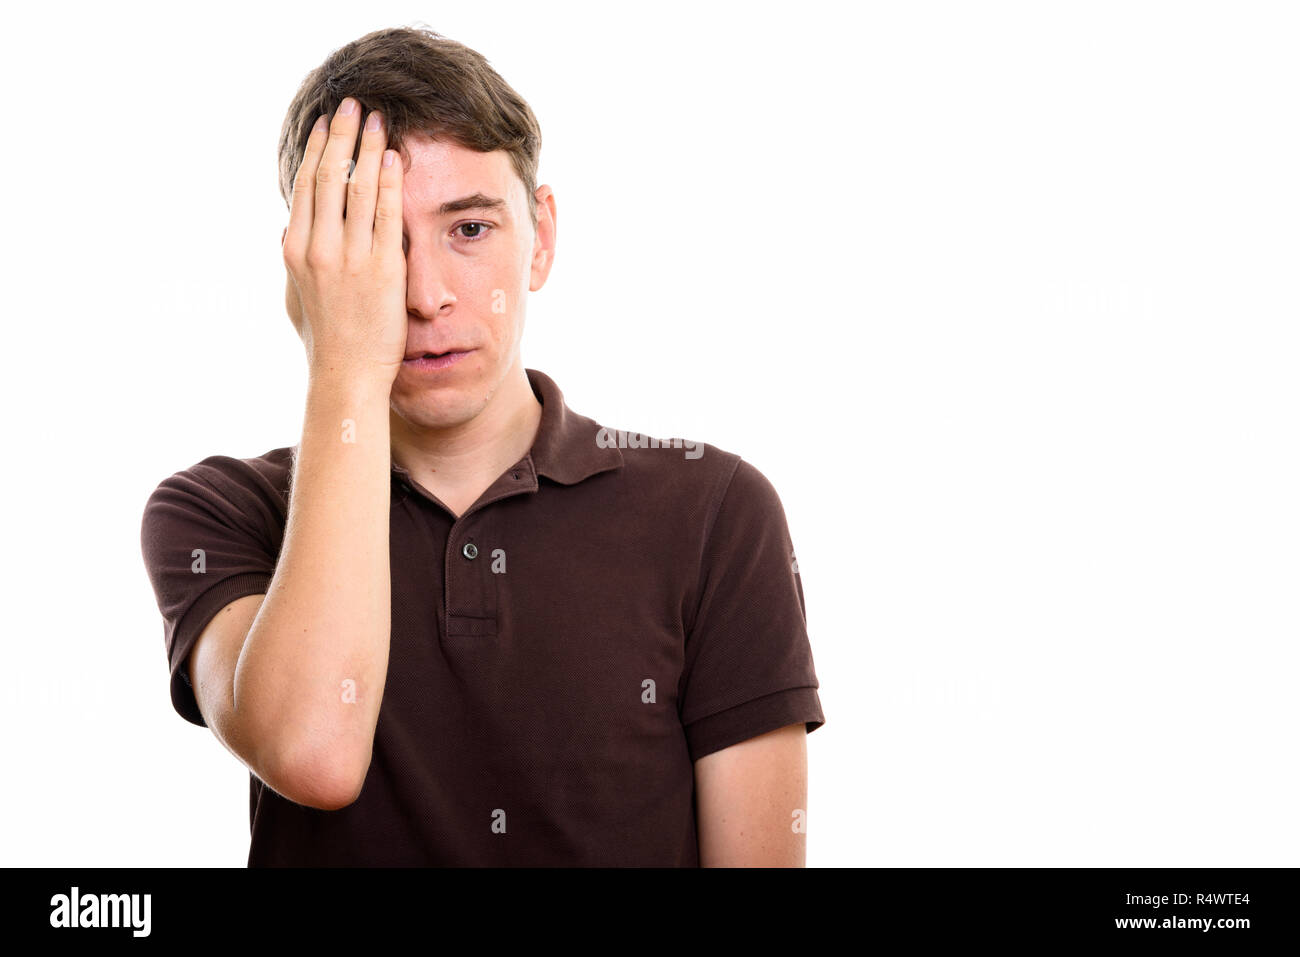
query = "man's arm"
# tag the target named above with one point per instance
(747, 797)
(211, 667)
(290, 682)
(293, 686)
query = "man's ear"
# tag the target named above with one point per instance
(544, 243)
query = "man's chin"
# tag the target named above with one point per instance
(434, 408)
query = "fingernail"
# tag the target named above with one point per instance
(372, 122)
(322, 123)
(347, 106)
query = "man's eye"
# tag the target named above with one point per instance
(480, 230)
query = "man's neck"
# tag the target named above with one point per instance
(459, 463)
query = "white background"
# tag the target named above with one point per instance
(1000, 296)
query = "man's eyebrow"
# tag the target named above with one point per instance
(474, 201)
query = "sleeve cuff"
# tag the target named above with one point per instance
(748, 720)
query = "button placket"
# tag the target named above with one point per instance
(470, 598)
(469, 587)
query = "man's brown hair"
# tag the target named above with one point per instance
(423, 84)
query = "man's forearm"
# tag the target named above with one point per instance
(310, 678)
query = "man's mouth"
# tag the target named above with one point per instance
(430, 354)
(423, 359)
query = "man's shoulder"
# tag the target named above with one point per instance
(224, 500)
(683, 474)
(262, 476)
(684, 462)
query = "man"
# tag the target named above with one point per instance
(458, 623)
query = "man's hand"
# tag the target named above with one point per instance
(345, 290)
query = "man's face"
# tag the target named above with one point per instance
(468, 271)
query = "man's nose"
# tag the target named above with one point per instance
(428, 286)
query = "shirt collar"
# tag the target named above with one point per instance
(565, 449)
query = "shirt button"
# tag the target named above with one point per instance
(470, 550)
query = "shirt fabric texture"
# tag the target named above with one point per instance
(560, 654)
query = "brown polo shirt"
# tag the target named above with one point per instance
(611, 609)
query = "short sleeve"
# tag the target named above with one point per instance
(748, 661)
(210, 535)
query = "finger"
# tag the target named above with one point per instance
(302, 203)
(331, 175)
(359, 224)
(388, 205)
